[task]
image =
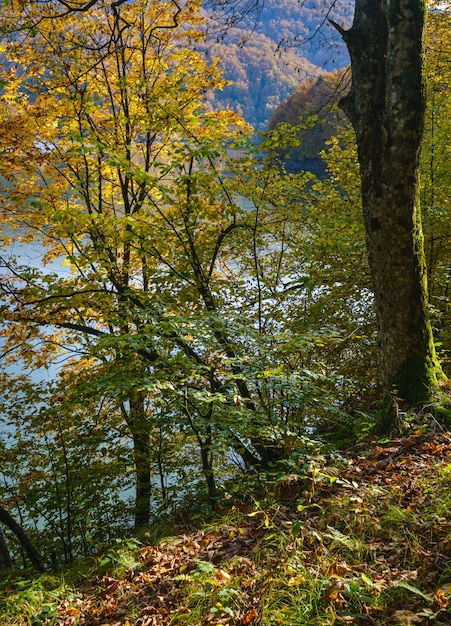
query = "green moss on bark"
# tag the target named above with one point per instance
(417, 382)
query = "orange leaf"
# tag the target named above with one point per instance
(250, 616)
(222, 575)
(441, 599)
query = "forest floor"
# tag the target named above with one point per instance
(362, 539)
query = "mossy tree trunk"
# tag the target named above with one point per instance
(386, 106)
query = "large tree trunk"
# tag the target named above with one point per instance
(386, 106)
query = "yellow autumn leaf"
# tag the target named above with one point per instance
(297, 580)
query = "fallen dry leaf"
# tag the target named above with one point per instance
(250, 616)
(222, 575)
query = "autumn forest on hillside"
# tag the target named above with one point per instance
(224, 315)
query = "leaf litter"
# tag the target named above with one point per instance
(373, 541)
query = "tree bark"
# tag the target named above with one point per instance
(138, 425)
(207, 465)
(5, 559)
(33, 555)
(386, 106)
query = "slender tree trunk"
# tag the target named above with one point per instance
(5, 559)
(33, 555)
(386, 106)
(206, 453)
(207, 466)
(141, 453)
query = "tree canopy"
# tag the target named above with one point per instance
(170, 290)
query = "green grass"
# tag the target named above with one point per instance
(33, 601)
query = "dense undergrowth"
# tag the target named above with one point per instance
(362, 538)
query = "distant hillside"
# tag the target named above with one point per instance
(260, 78)
(302, 25)
(291, 41)
(318, 98)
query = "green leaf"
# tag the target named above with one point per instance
(405, 585)
(366, 580)
(296, 527)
